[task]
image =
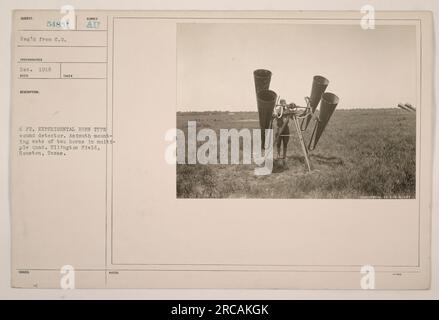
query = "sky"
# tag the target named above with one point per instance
(366, 68)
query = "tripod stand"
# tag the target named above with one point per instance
(295, 114)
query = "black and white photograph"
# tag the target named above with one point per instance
(322, 110)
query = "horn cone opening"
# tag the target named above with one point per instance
(267, 96)
(327, 106)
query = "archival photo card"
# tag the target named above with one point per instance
(338, 103)
(165, 149)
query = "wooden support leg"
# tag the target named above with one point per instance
(302, 143)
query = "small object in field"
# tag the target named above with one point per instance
(319, 85)
(409, 106)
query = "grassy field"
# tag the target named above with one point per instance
(364, 153)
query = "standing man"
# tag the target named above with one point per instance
(281, 129)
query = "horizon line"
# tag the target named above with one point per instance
(231, 111)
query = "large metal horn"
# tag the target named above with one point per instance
(266, 103)
(402, 106)
(328, 104)
(410, 107)
(319, 85)
(262, 83)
